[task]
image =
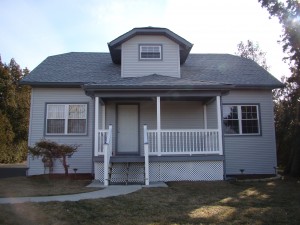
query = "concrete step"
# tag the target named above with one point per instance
(127, 158)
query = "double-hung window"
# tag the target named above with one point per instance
(241, 119)
(150, 52)
(64, 119)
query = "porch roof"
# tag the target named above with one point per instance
(156, 81)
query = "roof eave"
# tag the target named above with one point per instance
(259, 86)
(52, 84)
(149, 31)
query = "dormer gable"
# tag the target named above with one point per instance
(146, 51)
(115, 45)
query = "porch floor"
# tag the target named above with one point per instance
(164, 158)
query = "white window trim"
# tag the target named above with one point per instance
(239, 109)
(150, 45)
(66, 118)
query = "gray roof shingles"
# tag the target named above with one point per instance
(97, 69)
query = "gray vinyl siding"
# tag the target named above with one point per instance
(211, 114)
(132, 66)
(82, 159)
(255, 154)
(111, 113)
(181, 115)
(174, 115)
(147, 115)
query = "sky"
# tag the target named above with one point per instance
(32, 30)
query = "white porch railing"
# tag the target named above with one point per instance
(184, 141)
(107, 152)
(177, 141)
(102, 136)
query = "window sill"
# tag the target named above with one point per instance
(65, 135)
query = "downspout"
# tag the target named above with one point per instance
(221, 134)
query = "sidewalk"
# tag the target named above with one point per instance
(112, 190)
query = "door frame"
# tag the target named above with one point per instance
(117, 126)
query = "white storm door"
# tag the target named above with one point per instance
(128, 129)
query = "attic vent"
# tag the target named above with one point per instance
(150, 52)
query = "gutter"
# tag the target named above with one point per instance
(99, 87)
(52, 84)
(251, 86)
(154, 88)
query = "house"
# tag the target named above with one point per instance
(149, 110)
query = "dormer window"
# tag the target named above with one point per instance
(150, 52)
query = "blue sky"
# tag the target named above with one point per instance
(31, 30)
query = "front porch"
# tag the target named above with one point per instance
(169, 142)
(163, 154)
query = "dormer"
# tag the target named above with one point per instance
(149, 50)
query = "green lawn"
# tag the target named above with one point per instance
(273, 202)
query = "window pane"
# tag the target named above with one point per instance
(76, 126)
(230, 112)
(231, 126)
(230, 119)
(150, 55)
(55, 111)
(77, 111)
(250, 126)
(249, 112)
(55, 126)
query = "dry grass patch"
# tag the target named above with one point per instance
(182, 203)
(42, 186)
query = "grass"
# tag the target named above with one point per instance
(41, 186)
(273, 202)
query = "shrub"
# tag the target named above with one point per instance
(50, 151)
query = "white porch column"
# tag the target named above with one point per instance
(158, 125)
(103, 116)
(146, 154)
(106, 164)
(219, 114)
(96, 122)
(146, 149)
(205, 116)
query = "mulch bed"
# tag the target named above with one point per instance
(251, 176)
(71, 176)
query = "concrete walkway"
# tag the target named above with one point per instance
(112, 190)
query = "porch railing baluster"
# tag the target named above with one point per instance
(184, 141)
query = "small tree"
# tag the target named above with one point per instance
(288, 113)
(50, 151)
(251, 50)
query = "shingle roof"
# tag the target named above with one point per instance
(199, 70)
(226, 68)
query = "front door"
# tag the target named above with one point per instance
(127, 129)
